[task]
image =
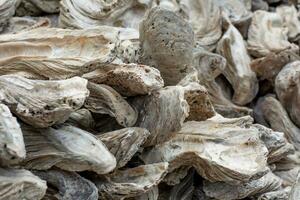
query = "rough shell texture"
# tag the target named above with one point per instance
(42, 103)
(124, 143)
(287, 86)
(267, 34)
(217, 148)
(105, 100)
(12, 147)
(167, 44)
(131, 182)
(162, 113)
(238, 71)
(223, 191)
(68, 148)
(295, 193)
(128, 79)
(20, 184)
(37, 7)
(7, 8)
(69, 185)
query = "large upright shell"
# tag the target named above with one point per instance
(7, 10)
(20, 184)
(68, 148)
(205, 18)
(42, 103)
(287, 86)
(37, 7)
(92, 13)
(220, 150)
(267, 34)
(238, 71)
(162, 113)
(167, 43)
(51, 53)
(12, 147)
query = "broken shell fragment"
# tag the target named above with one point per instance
(268, 34)
(167, 42)
(214, 147)
(68, 148)
(162, 113)
(20, 184)
(130, 182)
(238, 71)
(69, 185)
(12, 147)
(42, 103)
(124, 143)
(105, 100)
(287, 86)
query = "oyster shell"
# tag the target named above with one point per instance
(42, 103)
(12, 147)
(238, 71)
(167, 42)
(69, 185)
(18, 24)
(68, 148)
(105, 100)
(162, 113)
(82, 118)
(287, 86)
(268, 34)
(37, 7)
(130, 182)
(214, 147)
(295, 192)
(124, 143)
(20, 184)
(7, 8)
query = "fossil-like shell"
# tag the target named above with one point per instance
(295, 192)
(131, 182)
(7, 10)
(289, 15)
(270, 112)
(105, 100)
(124, 143)
(20, 184)
(37, 7)
(12, 147)
(220, 150)
(68, 148)
(92, 13)
(287, 86)
(51, 53)
(69, 185)
(223, 191)
(167, 42)
(162, 113)
(205, 19)
(238, 71)
(267, 34)
(128, 79)
(42, 103)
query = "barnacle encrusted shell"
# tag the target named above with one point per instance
(267, 34)
(20, 184)
(131, 182)
(167, 42)
(68, 148)
(287, 86)
(7, 8)
(12, 147)
(42, 103)
(238, 71)
(219, 149)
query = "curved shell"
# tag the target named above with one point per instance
(167, 43)
(68, 148)
(287, 86)
(267, 34)
(20, 184)
(12, 147)
(238, 71)
(42, 103)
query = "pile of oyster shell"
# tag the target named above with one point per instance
(149, 99)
